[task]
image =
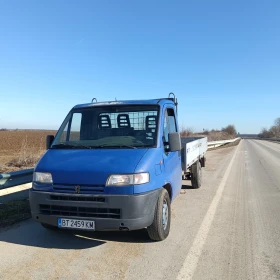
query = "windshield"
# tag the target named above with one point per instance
(109, 127)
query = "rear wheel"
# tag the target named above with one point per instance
(160, 227)
(196, 176)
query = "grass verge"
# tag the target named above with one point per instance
(13, 212)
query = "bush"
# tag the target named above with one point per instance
(230, 130)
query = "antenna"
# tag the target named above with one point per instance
(94, 99)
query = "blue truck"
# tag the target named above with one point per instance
(114, 166)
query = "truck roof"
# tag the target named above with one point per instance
(160, 101)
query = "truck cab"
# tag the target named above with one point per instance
(111, 166)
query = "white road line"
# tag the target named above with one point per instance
(191, 261)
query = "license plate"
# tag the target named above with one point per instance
(78, 224)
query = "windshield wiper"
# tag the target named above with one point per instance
(68, 146)
(82, 147)
(64, 145)
(115, 146)
(127, 146)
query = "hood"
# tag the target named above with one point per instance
(88, 166)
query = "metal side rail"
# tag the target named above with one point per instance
(8, 180)
(271, 139)
(215, 144)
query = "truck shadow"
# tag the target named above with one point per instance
(186, 186)
(135, 236)
(32, 234)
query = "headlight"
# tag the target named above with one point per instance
(129, 179)
(40, 177)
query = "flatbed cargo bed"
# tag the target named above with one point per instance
(193, 149)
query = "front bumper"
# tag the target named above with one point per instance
(109, 212)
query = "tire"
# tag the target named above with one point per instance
(160, 227)
(49, 227)
(196, 176)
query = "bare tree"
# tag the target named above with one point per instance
(265, 133)
(277, 122)
(186, 131)
(275, 131)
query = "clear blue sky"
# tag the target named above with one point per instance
(221, 58)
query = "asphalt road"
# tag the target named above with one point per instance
(227, 229)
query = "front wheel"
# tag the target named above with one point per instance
(160, 227)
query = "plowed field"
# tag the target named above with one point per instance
(21, 147)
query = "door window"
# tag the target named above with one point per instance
(171, 120)
(75, 127)
(169, 126)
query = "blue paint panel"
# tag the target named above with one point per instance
(88, 167)
(147, 164)
(158, 169)
(171, 164)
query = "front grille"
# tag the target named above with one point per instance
(83, 189)
(80, 211)
(77, 198)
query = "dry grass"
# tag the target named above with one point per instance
(219, 135)
(27, 157)
(211, 135)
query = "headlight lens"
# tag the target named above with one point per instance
(129, 179)
(42, 177)
(141, 178)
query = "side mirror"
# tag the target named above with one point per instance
(49, 141)
(174, 140)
